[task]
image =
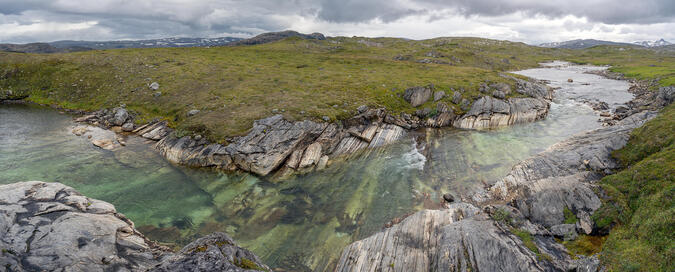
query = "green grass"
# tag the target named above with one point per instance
(640, 207)
(529, 243)
(570, 218)
(233, 86)
(302, 79)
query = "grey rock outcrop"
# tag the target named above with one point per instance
(459, 238)
(121, 116)
(215, 252)
(52, 227)
(417, 96)
(490, 112)
(438, 95)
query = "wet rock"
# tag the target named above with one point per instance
(192, 113)
(438, 95)
(448, 198)
(570, 80)
(193, 152)
(417, 95)
(155, 131)
(215, 252)
(107, 144)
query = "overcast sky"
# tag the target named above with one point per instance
(531, 21)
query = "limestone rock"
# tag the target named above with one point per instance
(417, 95)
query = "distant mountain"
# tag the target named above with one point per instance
(581, 44)
(72, 46)
(657, 43)
(166, 42)
(38, 48)
(276, 36)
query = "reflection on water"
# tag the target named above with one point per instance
(301, 223)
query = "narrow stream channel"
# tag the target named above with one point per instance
(301, 223)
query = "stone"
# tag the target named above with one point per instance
(502, 87)
(157, 94)
(128, 127)
(490, 112)
(465, 104)
(499, 94)
(154, 86)
(52, 227)
(417, 96)
(326, 118)
(106, 144)
(457, 97)
(215, 252)
(323, 162)
(566, 231)
(75, 232)
(311, 155)
(442, 107)
(585, 224)
(585, 264)
(665, 96)
(362, 109)
(438, 95)
(192, 113)
(423, 113)
(570, 80)
(448, 198)
(121, 116)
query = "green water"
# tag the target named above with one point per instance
(301, 223)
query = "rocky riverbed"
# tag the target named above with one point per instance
(303, 222)
(513, 224)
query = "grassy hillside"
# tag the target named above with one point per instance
(640, 207)
(302, 79)
(233, 86)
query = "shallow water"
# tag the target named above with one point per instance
(303, 222)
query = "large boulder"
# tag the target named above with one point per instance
(270, 142)
(490, 112)
(121, 116)
(417, 96)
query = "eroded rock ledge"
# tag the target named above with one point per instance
(52, 227)
(276, 145)
(511, 225)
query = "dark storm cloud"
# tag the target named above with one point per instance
(118, 19)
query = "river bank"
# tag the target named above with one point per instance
(519, 222)
(282, 222)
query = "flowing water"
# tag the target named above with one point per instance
(300, 223)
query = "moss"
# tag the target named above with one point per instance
(529, 243)
(503, 216)
(570, 217)
(247, 264)
(585, 245)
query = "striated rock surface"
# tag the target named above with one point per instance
(52, 227)
(459, 238)
(490, 112)
(520, 217)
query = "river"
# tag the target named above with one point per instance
(303, 222)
